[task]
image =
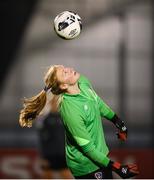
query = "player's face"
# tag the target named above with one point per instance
(67, 75)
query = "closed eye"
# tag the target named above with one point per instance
(64, 72)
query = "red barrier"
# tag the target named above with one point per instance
(19, 163)
(24, 163)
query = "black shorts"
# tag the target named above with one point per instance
(102, 173)
(56, 162)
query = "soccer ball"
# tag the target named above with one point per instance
(67, 25)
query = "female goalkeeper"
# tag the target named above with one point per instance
(81, 110)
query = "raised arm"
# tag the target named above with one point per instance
(110, 115)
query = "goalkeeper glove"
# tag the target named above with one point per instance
(124, 171)
(122, 130)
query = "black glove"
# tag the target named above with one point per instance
(122, 130)
(124, 171)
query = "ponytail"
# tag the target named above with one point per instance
(32, 108)
(34, 105)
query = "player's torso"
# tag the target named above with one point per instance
(86, 105)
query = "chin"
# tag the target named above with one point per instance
(77, 75)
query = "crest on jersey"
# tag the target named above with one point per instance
(98, 175)
(85, 107)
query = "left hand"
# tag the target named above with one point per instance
(122, 134)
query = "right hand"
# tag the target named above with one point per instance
(125, 171)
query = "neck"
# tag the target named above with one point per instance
(74, 89)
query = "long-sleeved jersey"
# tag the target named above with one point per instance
(86, 149)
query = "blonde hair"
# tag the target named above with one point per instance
(33, 106)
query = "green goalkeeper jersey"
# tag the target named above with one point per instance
(86, 149)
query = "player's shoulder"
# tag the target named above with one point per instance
(84, 79)
(69, 108)
(67, 101)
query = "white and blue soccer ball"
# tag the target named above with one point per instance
(68, 25)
